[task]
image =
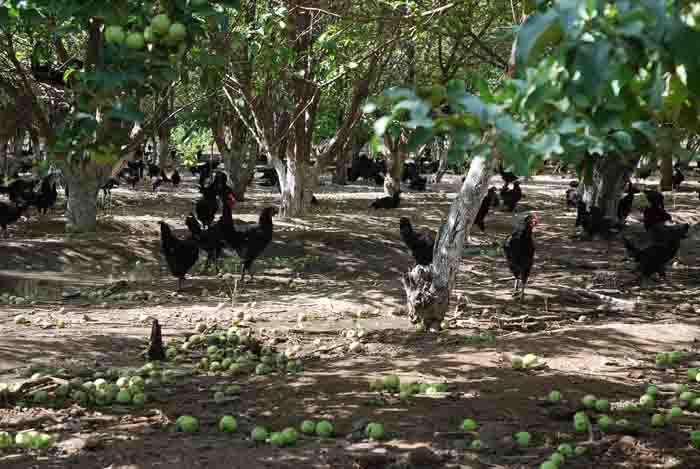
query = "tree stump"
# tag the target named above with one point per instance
(156, 352)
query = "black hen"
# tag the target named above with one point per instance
(386, 202)
(625, 206)
(486, 204)
(519, 249)
(655, 212)
(653, 250)
(212, 240)
(180, 254)
(572, 195)
(511, 197)
(206, 207)
(418, 183)
(250, 241)
(46, 198)
(594, 222)
(507, 176)
(175, 178)
(9, 214)
(420, 243)
(678, 179)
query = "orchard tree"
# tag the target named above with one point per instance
(107, 56)
(593, 83)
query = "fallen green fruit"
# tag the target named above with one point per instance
(676, 412)
(516, 362)
(602, 405)
(580, 450)
(529, 360)
(187, 424)
(228, 424)
(375, 431)
(290, 435)
(6, 440)
(588, 401)
(695, 439)
(469, 425)
(308, 427)
(124, 397)
(647, 401)
(687, 396)
(476, 445)
(42, 441)
(40, 397)
(391, 383)
(557, 458)
(604, 422)
(693, 373)
(652, 390)
(139, 399)
(259, 434)
(554, 396)
(565, 449)
(548, 465)
(324, 428)
(658, 420)
(523, 439)
(277, 439)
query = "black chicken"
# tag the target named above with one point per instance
(180, 254)
(486, 205)
(655, 248)
(153, 170)
(206, 207)
(507, 176)
(572, 195)
(624, 208)
(213, 240)
(418, 183)
(175, 178)
(420, 243)
(655, 212)
(511, 197)
(47, 196)
(519, 249)
(386, 202)
(107, 190)
(678, 179)
(251, 240)
(9, 214)
(594, 222)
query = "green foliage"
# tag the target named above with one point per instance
(612, 73)
(189, 141)
(121, 70)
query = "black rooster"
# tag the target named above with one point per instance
(678, 178)
(420, 243)
(206, 207)
(519, 249)
(507, 176)
(251, 240)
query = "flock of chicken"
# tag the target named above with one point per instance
(248, 241)
(651, 251)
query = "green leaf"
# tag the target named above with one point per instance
(381, 124)
(212, 60)
(126, 114)
(537, 32)
(548, 145)
(419, 137)
(623, 140)
(4, 17)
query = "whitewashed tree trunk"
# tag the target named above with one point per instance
(428, 288)
(83, 180)
(607, 186)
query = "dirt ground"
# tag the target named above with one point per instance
(324, 280)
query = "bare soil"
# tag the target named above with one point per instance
(335, 271)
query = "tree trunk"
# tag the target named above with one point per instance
(83, 180)
(164, 146)
(292, 186)
(604, 184)
(441, 147)
(3, 154)
(340, 175)
(666, 183)
(241, 168)
(428, 288)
